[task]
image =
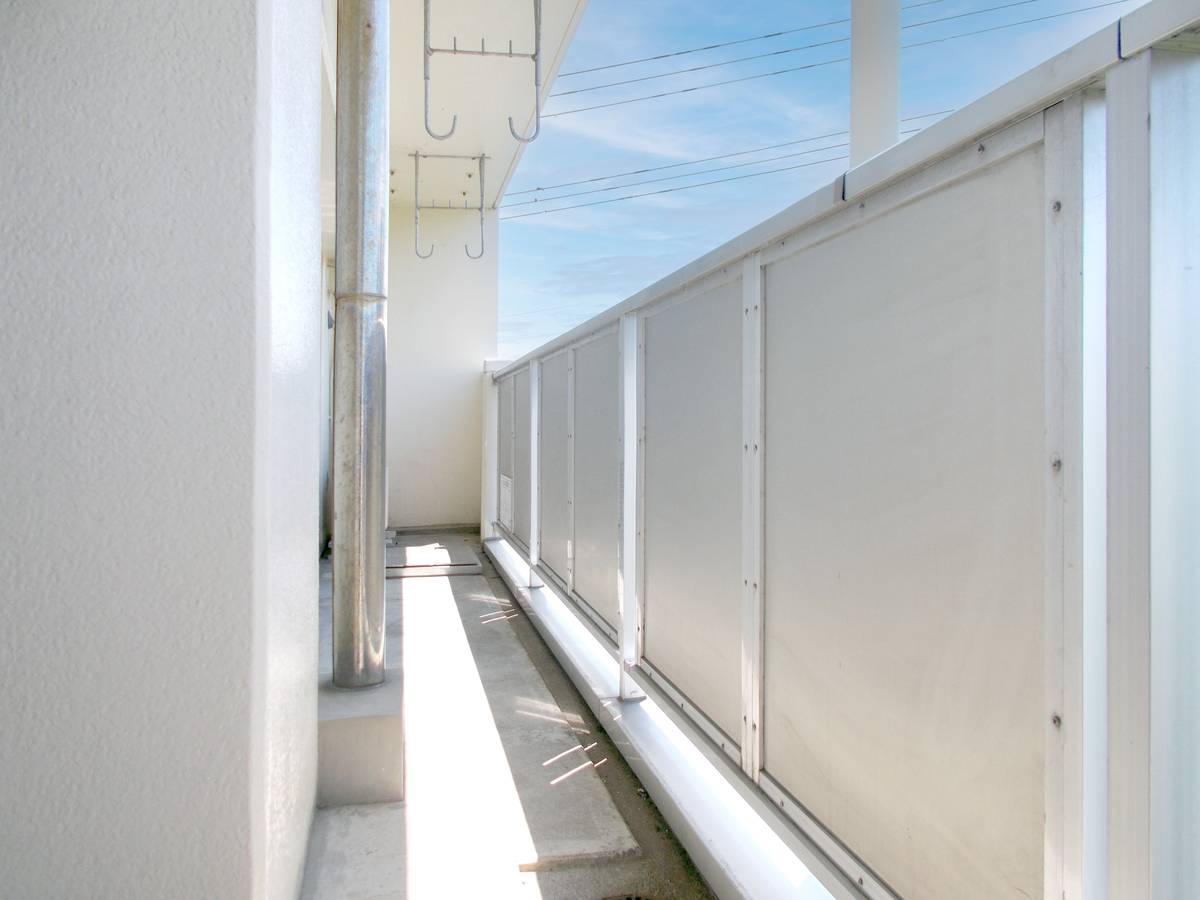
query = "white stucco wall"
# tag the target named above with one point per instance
(441, 327)
(158, 417)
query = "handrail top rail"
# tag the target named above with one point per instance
(1033, 91)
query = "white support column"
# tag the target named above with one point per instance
(874, 77)
(629, 546)
(535, 429)
(489, 475)
(752, 515)
(1154, 474)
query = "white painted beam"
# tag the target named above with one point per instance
(874, 77)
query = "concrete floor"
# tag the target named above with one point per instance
(513, 787)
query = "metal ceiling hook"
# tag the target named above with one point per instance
(481, 202)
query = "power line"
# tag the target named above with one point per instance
(784, 51)
(830, 62)
(728, 62)
(701, 87)
(741, 165)
(670, 190)
(691, 162)
(617, 187)
(757, 37)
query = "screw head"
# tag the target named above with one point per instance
(1056, 206)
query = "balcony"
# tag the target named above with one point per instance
(855, 558)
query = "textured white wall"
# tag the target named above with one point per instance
(441, 326)
(158, 415)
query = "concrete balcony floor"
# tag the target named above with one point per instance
(512, 788)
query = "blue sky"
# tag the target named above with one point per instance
(558, 269)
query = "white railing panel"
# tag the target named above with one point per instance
(505, 453)
(905, 469)
(597, 495)
(693, 499)
(554, 517)
(521, 450)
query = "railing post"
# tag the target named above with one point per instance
(535, 429)
(489, 475)
(1153, 130)
(571, 470)
(629, 564)
(360, 343)
(752, 515)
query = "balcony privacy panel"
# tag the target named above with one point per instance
(504, 443)
(905, 473)
(554, 515)
(597, 474)
(521, 492)
(505, 452)
(693, 499)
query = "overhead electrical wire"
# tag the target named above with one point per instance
(747, 40)
(670, 190)
(830, 62)
(741, 165)
(692, 162)
(617, 187)
(785, 50)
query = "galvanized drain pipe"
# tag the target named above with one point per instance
(360, 342)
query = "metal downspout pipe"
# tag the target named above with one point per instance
(359, 357)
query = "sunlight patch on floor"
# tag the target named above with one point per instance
(466, 830)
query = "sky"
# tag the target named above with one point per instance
(559, 269)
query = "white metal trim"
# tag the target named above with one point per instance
(988, 151)
(535, 436)
(582, 609)
(1062, 590)
(489, 477)
(654, 682)
(1033, 91)
(753, 452)
(1129, 851)
(571, 469)
(1156, 22)
(871, 885)
(1039, 88)
(1090, 515)
(741, 842)
(698, 288)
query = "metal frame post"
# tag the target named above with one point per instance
(629, 634)
(753, 452)
(1153, 472)
(359, 480)
(489, 476)
(535, 429)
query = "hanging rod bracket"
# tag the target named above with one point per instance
(418, 206)
(535, 56)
